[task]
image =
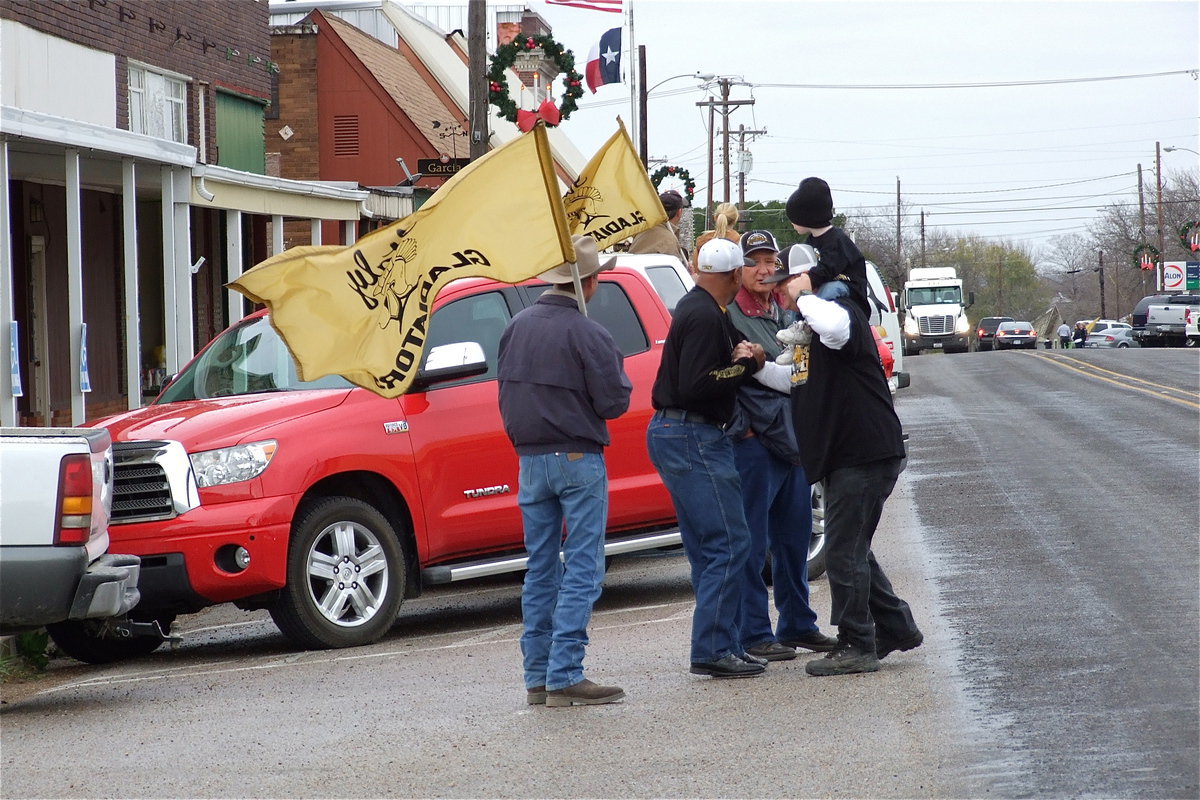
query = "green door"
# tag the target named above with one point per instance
(241, 143)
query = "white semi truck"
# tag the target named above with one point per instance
(935, 314)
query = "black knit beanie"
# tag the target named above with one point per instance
(811, 205)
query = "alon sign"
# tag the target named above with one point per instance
(1179, 276)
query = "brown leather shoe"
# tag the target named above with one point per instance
(536, 696)
(584, 693)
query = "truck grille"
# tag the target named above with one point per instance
(152, 480)
(140, 490)
(936, 326)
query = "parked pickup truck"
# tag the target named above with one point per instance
(56, 487)
(329, 505)
(1166, 323)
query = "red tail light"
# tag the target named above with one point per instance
(75, 499)
(980, 332)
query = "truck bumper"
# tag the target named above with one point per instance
(42, 585)
(957, 342)
(187, 561)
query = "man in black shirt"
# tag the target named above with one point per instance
(851, 438)
(704, 362)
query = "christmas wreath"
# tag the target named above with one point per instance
(1145, 256)
(1189, 236)
(503, 60)
(675, 172)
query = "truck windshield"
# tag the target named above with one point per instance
(935, 295)
(247, 359)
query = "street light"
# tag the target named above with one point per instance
(643, 97)
(1170, 149)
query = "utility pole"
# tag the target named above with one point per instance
(1142, 212)
(708, 207)
(742, 134)
(1161, 244)
(899, 250)
(725, 103)
(643, 99)
(1000, 283)
(922, 237)
(477, 99)
(1103, 308)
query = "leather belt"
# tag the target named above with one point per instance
(691, 416)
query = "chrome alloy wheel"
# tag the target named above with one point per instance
(347, 574)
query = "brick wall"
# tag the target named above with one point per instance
(294, 48)
(218, 43)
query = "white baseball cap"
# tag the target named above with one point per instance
(797, 259)
(721, 255)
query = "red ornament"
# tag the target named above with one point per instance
(530, 44)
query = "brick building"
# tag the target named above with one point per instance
(133, 185)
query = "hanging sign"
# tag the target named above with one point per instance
(85, 381)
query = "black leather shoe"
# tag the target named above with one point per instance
(815, 641)
(753, 659)
(772, 651)
(885, 645)
(728, 667)
(845, 659)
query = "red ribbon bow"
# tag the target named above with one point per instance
(547, 112)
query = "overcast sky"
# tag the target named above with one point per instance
(1019, 163)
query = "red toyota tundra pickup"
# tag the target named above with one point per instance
(327, 504)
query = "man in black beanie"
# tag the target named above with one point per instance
(810, 210)
(850, 438)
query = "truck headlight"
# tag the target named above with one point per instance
(963, 325)
(910, 326)
(232, 464)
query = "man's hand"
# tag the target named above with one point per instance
(746, 349)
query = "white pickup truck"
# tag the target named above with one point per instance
(56, 489)
(1166, 324)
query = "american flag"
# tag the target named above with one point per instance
(594, 5)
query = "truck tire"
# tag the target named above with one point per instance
(92, 640)
(345, 576)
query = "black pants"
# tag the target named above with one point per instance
(863, 602)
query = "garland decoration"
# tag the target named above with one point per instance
(506, 56)
(1189, 236)
(1145, 256)
(664, 172)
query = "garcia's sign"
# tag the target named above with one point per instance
(441, 167)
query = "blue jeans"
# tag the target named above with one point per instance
(778, 506)
(559, 592)
(862, 599)
(695, 461)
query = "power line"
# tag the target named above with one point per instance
(975, 85)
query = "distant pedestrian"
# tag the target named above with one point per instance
(561, 376)
(725, 227)
(1080, 334)
(1064, 336)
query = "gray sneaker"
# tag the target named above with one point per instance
(584, 693)
(845, 659)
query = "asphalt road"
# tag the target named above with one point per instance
(1045, 532)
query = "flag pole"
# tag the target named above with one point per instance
(578, 288)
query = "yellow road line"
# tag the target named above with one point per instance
(1160, 390)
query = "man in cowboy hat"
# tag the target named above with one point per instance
(561, 377)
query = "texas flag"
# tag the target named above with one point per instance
(604, 61)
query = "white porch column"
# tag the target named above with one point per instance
(315, 225)
(184, 328)
(75, 284)
(349, 231)
(276, 234)
(133, 315)
(235, 306)
(9, 353)
(170, 323)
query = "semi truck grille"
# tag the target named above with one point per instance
(152, 480)
(936, 326)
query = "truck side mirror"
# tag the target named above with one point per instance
(448, 362)
(970, 299)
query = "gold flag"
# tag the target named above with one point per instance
(613, 198)
(362, 311)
